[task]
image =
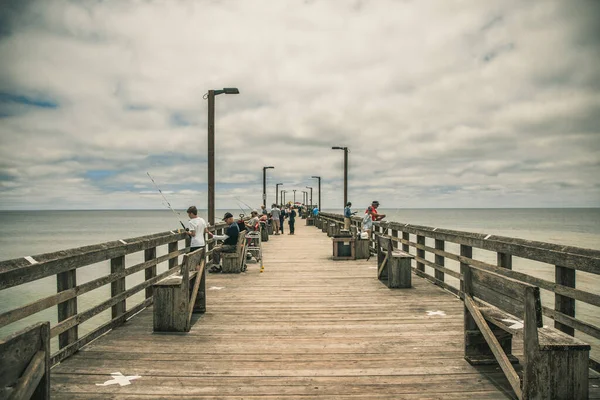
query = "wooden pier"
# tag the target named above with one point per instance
(308, 327)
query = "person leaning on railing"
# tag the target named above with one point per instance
(370, 216)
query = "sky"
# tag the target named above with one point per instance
(442, 104)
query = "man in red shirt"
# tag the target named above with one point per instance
(375, 216)
(372, 210)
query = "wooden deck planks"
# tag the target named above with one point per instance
(308, 327)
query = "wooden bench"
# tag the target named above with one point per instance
(235, 262)
(393, 266)
(25, 363)
(555, 365)
(177, 297)
(361, 246)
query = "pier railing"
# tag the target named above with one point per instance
(440, 252)
(64, 267)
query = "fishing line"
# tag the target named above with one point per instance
(177, 215)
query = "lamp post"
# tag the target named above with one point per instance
(308, 187)
(283, 192)
(277, 192)
(265, 184)
(345, 172)
(305, 197)
(319, 206)
(211, 147)
(294, 190)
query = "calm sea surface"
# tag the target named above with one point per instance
(27, 233)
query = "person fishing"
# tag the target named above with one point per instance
(348, 215)
(229, 239)
(371, 215)
(197, 227)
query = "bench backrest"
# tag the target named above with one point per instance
(191, 262)
(25, 363)
(241, 244)
(507, 294)
(384, 245)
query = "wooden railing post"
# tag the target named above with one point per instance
(439, 260)
(117, 287)
(405, 246)
(395, 235)
(67, 280)
(420, 253)
(173, 246)
(504, 260)
(465, 251)
(564, 304)
(150, 272)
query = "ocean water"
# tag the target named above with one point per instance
(27, 233)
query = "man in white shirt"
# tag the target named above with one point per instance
(197, 228)
(275, 214)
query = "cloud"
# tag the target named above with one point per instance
(441, 104)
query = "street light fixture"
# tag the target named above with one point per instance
(345, 172)
(319, 206)
(311, 203)
(211, 147)
(283, 192)
(294, 190)
(277, 192)
(265, 184)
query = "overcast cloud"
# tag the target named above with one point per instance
(441, 103)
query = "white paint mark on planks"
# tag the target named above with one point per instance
(30, 259)
(515, 324)
(216, 287)
(119, 378)
(438, 312)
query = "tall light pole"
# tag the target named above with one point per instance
(283, 192)
(308, 187)
(277, 192)
(211, 147)
(320, 206)
(265, 184)
(345, 172)
(305, 197)
(294, 190)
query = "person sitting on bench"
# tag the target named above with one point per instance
(230, 239)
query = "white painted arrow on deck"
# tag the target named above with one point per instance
(118, 377)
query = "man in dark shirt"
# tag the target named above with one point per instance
(291, 219)
(230, 239)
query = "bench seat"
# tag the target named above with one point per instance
(555, 365)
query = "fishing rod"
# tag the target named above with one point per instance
(240, 200)
(177, 215)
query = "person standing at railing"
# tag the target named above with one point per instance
(371, 215)
(196, 229)
(347, 215)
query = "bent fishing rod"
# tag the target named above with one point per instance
(177, 215)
